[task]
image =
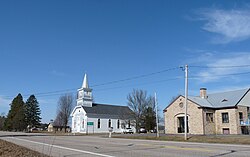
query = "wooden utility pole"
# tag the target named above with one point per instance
(186, 98)
(156, 116)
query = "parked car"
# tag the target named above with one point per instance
(153, 131)
(142, 130)
(128, 131)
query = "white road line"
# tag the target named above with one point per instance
(60, 147)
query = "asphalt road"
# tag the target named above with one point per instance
(95, 146)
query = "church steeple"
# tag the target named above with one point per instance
(84, 94)
(85, 83)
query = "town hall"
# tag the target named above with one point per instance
(90, 117)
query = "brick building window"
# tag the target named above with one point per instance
(226, 131)
(210, 117)
(225, 117)
(241, 117)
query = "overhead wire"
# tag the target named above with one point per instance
(59, 92)
(64, 91)
(225, 66)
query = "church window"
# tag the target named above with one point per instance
(118, 124)
(109, 123)
(74, 123)
(83, 123)
(80, 95)
(98, 123)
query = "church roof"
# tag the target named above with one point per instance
(108, 111)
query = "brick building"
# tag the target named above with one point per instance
(219, 113)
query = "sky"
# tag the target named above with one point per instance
(46, 47)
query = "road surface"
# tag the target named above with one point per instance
(95, 146)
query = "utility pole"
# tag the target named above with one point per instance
(156, 116)
(186, 95)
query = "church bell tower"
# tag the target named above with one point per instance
(84, 94)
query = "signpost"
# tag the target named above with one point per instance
(90, 123)
(110, 131)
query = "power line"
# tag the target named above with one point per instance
(60, 92)
(146, 83)
(234, 66)
(102, 84)
(135, 77)
(152, 82)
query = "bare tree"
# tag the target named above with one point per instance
(58, 121)
(65, 106)
(138, 102)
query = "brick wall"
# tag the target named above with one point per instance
(209, 126)
(175, 110)
(232, 125)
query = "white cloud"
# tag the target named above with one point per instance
(229, 25)
(214, 72)
(4, 104)
(57, 73)
(4, 101)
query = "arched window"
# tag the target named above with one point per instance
(109, 123)
(118, 124)
(98, 123)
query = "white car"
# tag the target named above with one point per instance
(128, 131)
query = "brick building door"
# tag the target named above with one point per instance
(181, 125)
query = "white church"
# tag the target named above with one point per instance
(90, 117)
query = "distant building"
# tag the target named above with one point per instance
(220, 113)
(53, 128)
(89, 117)
(50, 127)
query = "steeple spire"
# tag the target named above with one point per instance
(84, 94)
(85, 83)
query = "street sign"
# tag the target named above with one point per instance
(90, 123)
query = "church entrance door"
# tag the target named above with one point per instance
(78, 124)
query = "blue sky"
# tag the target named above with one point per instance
(47, 46)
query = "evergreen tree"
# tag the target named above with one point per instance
(150, 119)
(2, 121)
(32, 111)
(16, 116)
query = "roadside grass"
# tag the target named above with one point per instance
(61, 133)
(227, 139)
(8, 149)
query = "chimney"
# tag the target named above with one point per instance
(203, 93)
